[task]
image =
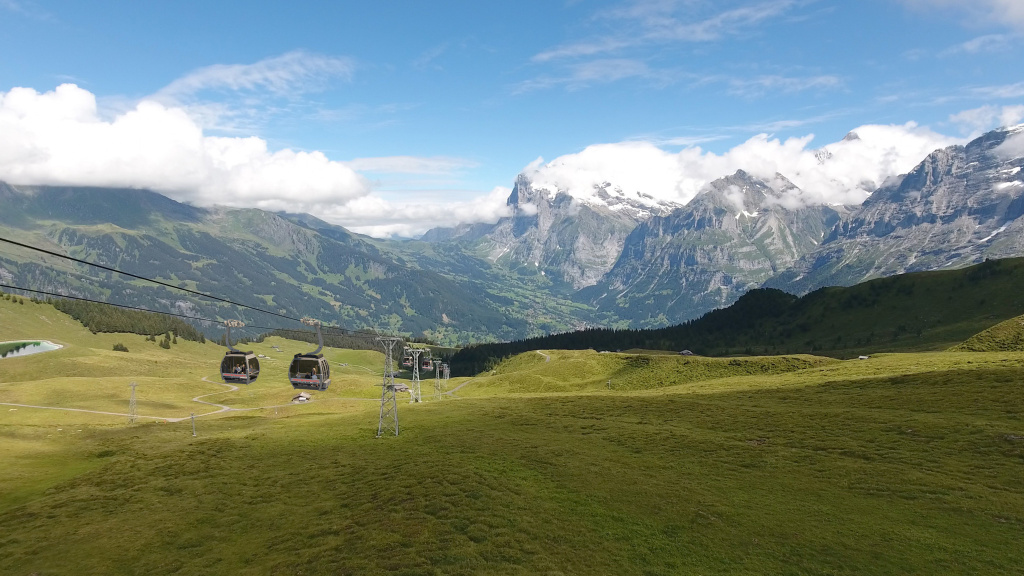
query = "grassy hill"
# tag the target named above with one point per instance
(910, 312)
(578, 371)
(1005, 336)
(901, 464)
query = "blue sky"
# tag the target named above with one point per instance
(437, 103)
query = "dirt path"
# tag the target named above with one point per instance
(220, 408)
(547, 357)
(364, 368)
(457, 388)
(87, 411)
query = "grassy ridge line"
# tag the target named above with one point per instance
(576, 371)
(910, 312)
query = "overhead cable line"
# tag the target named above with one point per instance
(140, 309)
(69, 297)
(355, 333)
(136, 276)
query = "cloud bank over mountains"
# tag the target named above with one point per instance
(843, 172)
(62, 138)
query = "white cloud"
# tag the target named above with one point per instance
(999, 91)
(724, 23)
(978, 120)
(378, 217)
(1013, 147)
(285, 75)
(1009, 13)
(58, 137)
(986, 43)
(857, 166)
(775, 83)
(578, 49)
(593, 72)
(436, 165)
(660, 21)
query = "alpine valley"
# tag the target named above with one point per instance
(617, 258)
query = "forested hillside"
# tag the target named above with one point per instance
(104, 318)
(919, 311)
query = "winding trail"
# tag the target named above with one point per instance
(547, 357)
(457, 388)
(365, 368)
(220, 407)
(87, 411)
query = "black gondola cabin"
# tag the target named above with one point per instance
(309, 372)
(239, 367)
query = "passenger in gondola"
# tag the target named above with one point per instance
(312, 375)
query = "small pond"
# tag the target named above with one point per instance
(12, 349)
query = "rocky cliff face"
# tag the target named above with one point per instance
(735, 234)
(570, 241)
(959, 206)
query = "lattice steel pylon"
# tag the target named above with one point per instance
(133, 409)
(388, 405)
(437, 379)
(447, 374)
(414, 392)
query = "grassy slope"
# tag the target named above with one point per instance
(87, 374)
(898, 464)
(1005, 336)
(577, 371)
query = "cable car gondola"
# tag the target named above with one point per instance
(310, 371)
(406, 359)
(427, 365)
(238, 367)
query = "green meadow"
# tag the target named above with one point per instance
(555, 462)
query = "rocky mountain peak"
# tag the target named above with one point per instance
(740, 194)
(960, 205)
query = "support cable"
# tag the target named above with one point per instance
(361, 334)
(136, 276)
(353, 333)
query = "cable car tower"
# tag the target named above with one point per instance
(437, 379)
(388, 406)
(415, 388)
(133, 408)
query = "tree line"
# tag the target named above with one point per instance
(105, 318)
